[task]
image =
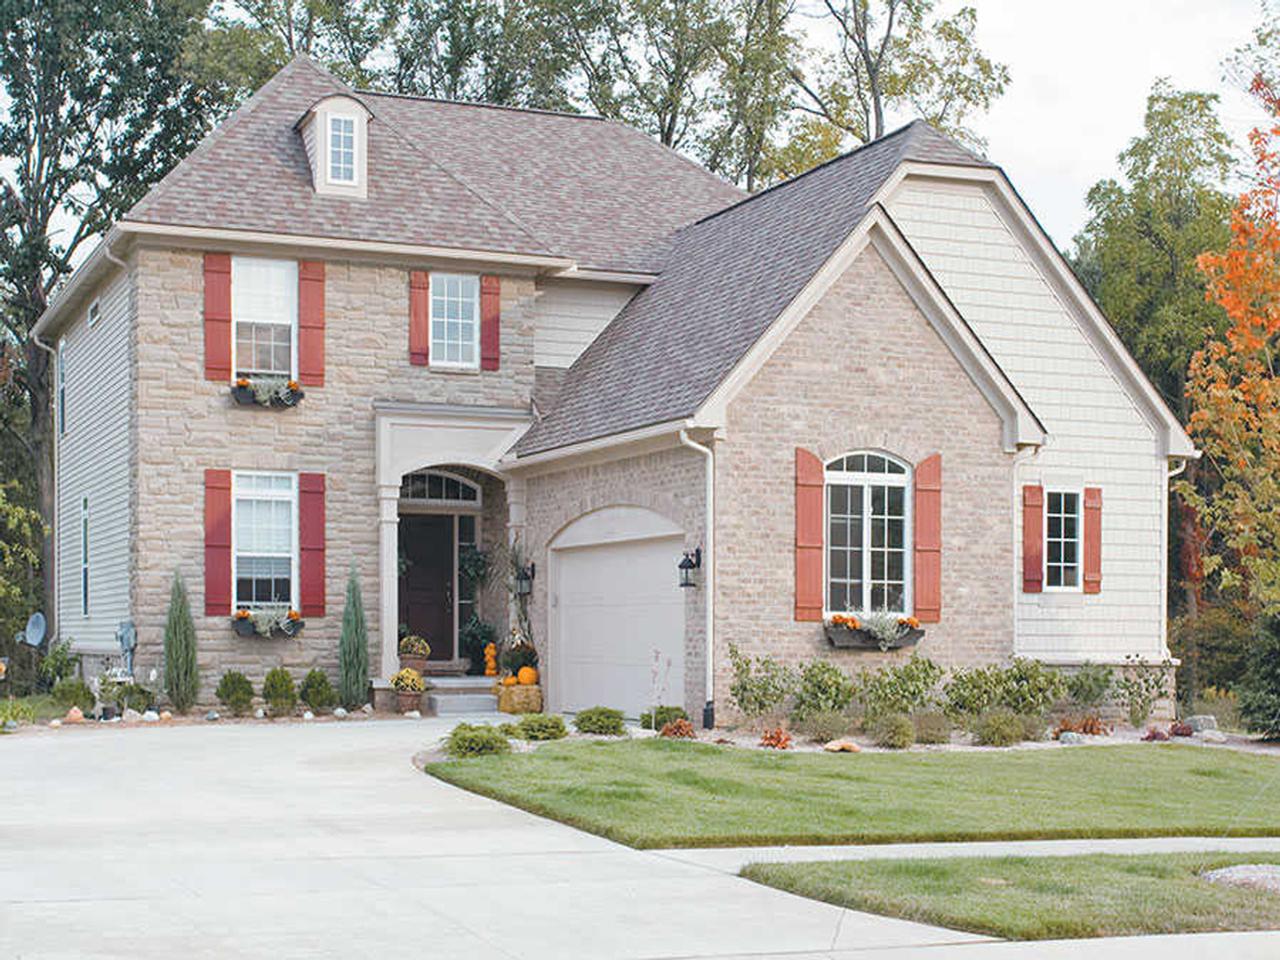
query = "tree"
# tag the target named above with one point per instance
(181, 670)
(896, 55)
(94, 111)
(353, 648)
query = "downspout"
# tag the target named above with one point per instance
(708, 577)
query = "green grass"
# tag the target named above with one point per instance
(660, 793)
(1040, 898)
(41, 705)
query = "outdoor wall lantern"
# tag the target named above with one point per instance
(689, 563)
(524, 580)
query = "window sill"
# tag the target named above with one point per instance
(445, 368)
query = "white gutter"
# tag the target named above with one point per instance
(708, 577)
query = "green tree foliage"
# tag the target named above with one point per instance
(181, 671)
(1259, 691)
(353, 648)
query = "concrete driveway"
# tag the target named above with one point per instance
(321, 840)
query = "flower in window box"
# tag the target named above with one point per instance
(846, 621)
(242, 382)
(243, 623)
(911, 623)
(294, 615)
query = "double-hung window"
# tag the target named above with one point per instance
(1062, 540)
(342, 149)
(264, 310)
(455, 321)
(264, 509)
(868, 521)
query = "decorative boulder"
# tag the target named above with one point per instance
(165, 715)
(308, 715)
(151, 716)
(340, 713)
(259, 714)
(1202, 721)
(1212, 736)
(412, 715)
(131, 715)
(1070, 738)
(10, 726)
(55, 723)
(74, 715)
(367, 709)
(841, 746)
(211, 716)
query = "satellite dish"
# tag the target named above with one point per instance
(33, 636)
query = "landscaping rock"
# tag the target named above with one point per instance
(74, 715)
(211, 716)
(367, 709)
(131, 715)
(11, 726)
(151, 716)
(1212, 736)
(55, 723)
(1256, 876)
(165, 716)
(340, 713)
(841, 746)
(1202, 721)
(1069, 738)
(259, 714)
(412, 715)
(308, 715)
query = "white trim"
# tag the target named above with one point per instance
(1078, 492)
(1066, 287)
(607, 276)
(1021, 427)
(295, 602)
(354, 180)
(428, 505)
(433, 353)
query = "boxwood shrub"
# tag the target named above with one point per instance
(279, 692)
(235, 692)
(475, 740)
(541, 726)
(600, 720)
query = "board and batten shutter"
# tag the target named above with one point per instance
(927, 560)
(217, 543)
(1092, 539)
(311, 544)
(809, 513)
(217, 316)
(490, 321)
(1032, 538)
(419, 317)
(311, 322)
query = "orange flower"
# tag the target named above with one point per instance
(293, 384)
(844, 620)
(294, 615)
(243, 614)
(242, 381)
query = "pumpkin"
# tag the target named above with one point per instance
(527, 676)
(508, 681)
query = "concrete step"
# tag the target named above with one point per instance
(450, 686)
(453, 704)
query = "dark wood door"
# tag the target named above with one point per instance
(426, 586)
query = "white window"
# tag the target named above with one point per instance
(62, 387)
(264, 528)
(93, 313)
(342, 149)
(264, 310)
(455, 320)
(1062, 540)
(868, 524)
(84, 556)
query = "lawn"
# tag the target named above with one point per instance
(661, 793)
(1040, 898)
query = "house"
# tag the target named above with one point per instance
(875, 387)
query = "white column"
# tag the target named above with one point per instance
(389, 575)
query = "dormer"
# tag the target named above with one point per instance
(335, 132)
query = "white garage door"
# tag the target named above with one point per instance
(618, 604)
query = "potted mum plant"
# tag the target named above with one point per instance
(414, 652)
(242, 621)
(874, 631)
(266, 392)
(409, 687)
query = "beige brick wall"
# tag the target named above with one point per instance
(186, 424)
(863, 370)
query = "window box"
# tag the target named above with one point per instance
(266, 393)
(847, 633)
(243, 624)
(273, 624)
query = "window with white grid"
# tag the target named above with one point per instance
(868, 520)
(455, 320)
(342, 149)
(1062, 540)
(264, 526)
(264, 311)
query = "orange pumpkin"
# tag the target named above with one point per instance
(508, 681)
(527, 676)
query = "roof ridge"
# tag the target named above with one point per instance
(482, 104)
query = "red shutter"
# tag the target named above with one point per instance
(1092, 540)
(490, 321)
(928, 545)
(419, 317)
(1032, 538)
(217, 316)
(311, 322)
(809, 480)
(311, 544)
(217, 543)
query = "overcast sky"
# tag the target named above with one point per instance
(1080, 74)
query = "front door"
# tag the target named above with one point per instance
(426, 580)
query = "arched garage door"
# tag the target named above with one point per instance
(615, 601)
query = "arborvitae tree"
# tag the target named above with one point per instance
(353, 648)
(181, 672)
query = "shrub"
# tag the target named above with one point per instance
(776, 739)
(1213, 646)
(1034, 727)
(181, 672)
(932, 726)
(134, 696)
(1089, 685)
(970, 693)
(414, 646)
(317, 692)
(999, 727)
(1259, 691)
(279, 692)
(1139, 687)
(893, 730)
(661, 716)
(475, 740)
(1090, 725)
(601, 720)
(69, 693)
(759, 687)
(58, 664)
(235, 692)
(678, 729)
(541, 726)
(823, 688)
(1031, 688)
(474, 636)
(825, 725)
(901, 689)
(516, 654)
(353, 648)
(18, 711)
(509, 729)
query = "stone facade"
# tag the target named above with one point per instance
(185, 424)
(864, 370)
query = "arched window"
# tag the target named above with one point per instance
(439, 489)
(868, 534)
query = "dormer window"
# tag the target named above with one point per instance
(342, 149)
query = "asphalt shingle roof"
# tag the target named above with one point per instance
(728, 278)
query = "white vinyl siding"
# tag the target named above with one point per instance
(93, 463)
(1098, 435)
(570, 314)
